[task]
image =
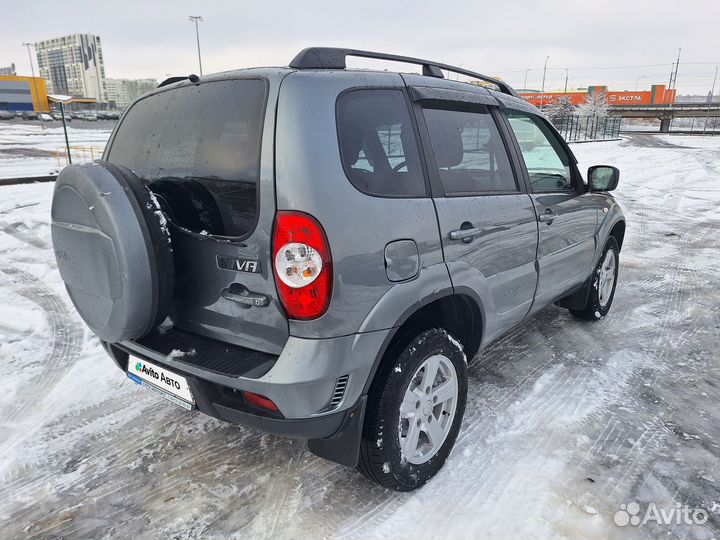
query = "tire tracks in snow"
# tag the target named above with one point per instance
(66, 342)
(634, 448)
(19, 231)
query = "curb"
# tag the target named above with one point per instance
(26, 180)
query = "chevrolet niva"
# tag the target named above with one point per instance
(316, 251)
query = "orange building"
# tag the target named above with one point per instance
(23, 94)
(657, 95)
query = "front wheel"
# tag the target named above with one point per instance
(414, 413)
(602, 284)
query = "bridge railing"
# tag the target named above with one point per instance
(575, 128)
(699, 106)
(706, 125)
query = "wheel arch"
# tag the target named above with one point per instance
(618, 231)
(458, 311)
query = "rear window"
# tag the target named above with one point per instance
(198, 149)
(377, 143)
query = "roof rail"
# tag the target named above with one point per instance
(170, 80)
(334, 58)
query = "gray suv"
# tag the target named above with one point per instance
(316, 252)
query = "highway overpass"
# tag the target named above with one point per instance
(666, 113)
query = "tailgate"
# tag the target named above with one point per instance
(205, 150)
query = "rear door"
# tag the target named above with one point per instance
(205, 150)
(566, 211)
(487, 221)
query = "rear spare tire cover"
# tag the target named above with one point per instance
(113, 250)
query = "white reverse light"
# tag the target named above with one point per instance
(297, 265)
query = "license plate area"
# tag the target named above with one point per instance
(165, 383)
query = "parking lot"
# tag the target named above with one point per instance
(566, 420)
(30, 148)
(78, 124)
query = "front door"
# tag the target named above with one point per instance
(487, 220)
(566, 211)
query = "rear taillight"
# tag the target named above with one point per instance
(303, 265)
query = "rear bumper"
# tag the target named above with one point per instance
(301, 381)
(227, 404)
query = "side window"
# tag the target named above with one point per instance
(469, 152)
(377, 143)
(547, 163)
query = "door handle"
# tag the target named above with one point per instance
(465, 235)
(246, 299)
(547, 217)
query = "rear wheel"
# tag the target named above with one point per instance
(602, 284)
(415, 412)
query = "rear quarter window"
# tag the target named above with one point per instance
(377, 141)
(198, 148)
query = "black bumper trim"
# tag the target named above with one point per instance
(304, 428)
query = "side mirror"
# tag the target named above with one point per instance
(603, 178)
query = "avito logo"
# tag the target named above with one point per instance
(631, 514)
(150, 372)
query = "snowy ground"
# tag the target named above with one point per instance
(566, 420)
(26, 149)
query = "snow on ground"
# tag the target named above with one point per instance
(566, 420)
(26, 149)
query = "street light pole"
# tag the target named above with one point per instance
(673, 77)
(32, 70)
(566, 79)
(63, 100)
(542, 90)
(638, 80)
(712, 93)
(195, 19)
(525, 81)
(67, 142)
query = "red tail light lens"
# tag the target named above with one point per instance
(303, 265)
(261, 402)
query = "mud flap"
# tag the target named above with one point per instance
(577, 299)
(344, 446)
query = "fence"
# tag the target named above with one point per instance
(692, 125)
(80, 154)
(576, 128)
(696, 125)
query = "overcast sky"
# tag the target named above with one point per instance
(616, 43)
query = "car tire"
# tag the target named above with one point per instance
(602, 284)
(401, 448)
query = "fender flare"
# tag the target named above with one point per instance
(413, 309)
(344, 446)
(578, 298)
(603, 233)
